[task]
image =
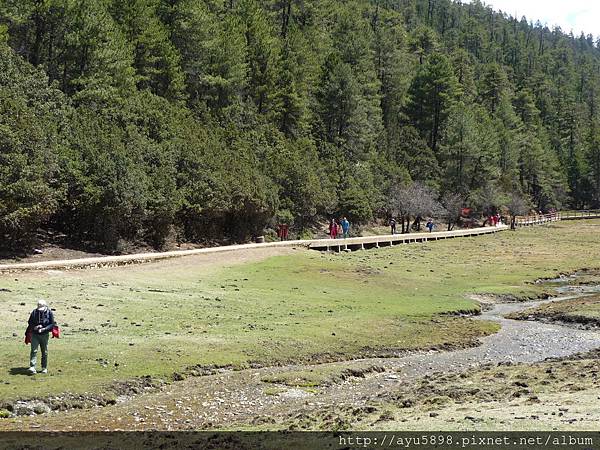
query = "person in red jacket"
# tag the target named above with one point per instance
(41, 322)
(333, 227)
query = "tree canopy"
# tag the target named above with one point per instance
(143, 119)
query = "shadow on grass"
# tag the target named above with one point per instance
(20, 371)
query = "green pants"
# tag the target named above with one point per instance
(40, 340)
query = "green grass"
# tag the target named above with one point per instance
(304, 378)
(584, 310)
(306, 306)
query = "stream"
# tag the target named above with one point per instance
(518, 341)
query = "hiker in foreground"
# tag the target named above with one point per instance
(41, 323)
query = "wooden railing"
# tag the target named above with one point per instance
(583, 214)
(538, 219)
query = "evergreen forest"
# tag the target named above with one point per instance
(141, 120)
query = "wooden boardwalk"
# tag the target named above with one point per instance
(338, 245)
(356, 243)
(362, 243)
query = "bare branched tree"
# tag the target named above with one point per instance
(516, 207)
(413, 201)
(452, 204)
(425, 204)
(399, 203)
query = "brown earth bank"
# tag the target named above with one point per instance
(49, 251)
(579, 312)
(554, 394)
(147, 384)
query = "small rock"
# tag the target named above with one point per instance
(473, 419)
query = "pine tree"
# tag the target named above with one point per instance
(31, 142)
(214, 55)
(156, 61)
(432, 93)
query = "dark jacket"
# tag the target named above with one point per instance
(44, 318)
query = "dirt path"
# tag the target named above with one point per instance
(231, 399)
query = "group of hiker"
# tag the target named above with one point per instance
(339, 228)
(430, 225)
(494, 220)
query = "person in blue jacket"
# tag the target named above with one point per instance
(345, 227)
(430, 225)
(41, 322)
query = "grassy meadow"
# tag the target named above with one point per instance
(296, 305)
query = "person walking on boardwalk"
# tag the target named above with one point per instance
(333, 229)
(393, 225)
(41, 322)
(282, 231)
(346, 227)
(430, 225)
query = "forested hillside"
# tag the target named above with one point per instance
(136, 120)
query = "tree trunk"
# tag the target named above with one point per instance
(286, 12)
(417, 223)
